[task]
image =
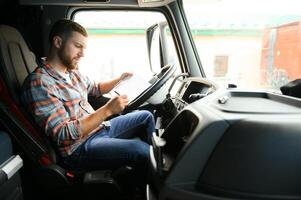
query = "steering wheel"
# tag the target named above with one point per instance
(157, 82)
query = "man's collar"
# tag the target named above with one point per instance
(50, 70)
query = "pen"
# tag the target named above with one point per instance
(117, 93)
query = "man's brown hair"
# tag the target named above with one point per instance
(64, 29)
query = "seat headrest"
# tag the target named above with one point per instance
(16, 60)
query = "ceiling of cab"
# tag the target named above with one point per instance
(110, 3)
(81, 2)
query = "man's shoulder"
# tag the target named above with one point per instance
(39, 76)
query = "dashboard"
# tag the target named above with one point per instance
(219, 138)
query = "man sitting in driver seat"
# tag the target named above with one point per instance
(56, 94)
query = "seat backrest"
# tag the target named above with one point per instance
(16, 62)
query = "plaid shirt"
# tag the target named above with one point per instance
(57, 105)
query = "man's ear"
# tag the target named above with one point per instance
(57, 41)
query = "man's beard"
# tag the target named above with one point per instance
(66, 60)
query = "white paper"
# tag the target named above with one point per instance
(132, 86)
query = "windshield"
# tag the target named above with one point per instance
(250, 43)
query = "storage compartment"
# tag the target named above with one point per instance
(176, 135)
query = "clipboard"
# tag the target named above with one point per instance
(132, 86)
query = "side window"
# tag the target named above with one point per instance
(117, 43)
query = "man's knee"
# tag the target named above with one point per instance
(149, 122)
(147, 115)
(141, 152)
(144, 113)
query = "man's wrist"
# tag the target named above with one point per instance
(119, 80)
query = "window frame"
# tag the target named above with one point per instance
(71, 12)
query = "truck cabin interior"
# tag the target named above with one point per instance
(216, 137)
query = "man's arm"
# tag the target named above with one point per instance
(92, 121)
(50, 113)
(107, 86)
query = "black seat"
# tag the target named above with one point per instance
(16, 62)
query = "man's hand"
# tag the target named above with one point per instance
(117, 104)
(125, 75)
(114, 106)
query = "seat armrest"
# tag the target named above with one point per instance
(9, 168)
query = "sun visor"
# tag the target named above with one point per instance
(81, 2)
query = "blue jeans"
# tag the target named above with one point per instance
(114, 146)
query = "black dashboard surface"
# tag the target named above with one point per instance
(225, 132)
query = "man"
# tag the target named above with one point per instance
(56, 94)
